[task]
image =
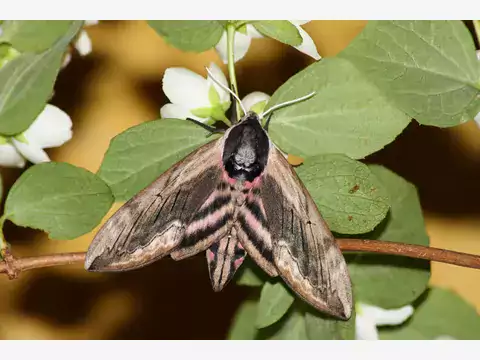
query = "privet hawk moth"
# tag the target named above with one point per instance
(234, 196)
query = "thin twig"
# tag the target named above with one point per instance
(13, 266)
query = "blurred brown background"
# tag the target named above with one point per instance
(118, 86)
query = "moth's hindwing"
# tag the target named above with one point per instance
(224, 258)
(210, 223)
(253, 232)
(304, 250)
(152, 223)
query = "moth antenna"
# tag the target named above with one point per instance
(228, 90)
(206, 127)
(290, 102)
(267, 122)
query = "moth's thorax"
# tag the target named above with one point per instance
(245, 152)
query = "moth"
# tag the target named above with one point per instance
(235, 196)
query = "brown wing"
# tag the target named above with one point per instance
(304, 250)
(152, 223)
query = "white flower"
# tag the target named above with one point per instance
(255, 101)
(194, 96)
(52, 128)
(83, 43)
(368, 317)
(242, 42)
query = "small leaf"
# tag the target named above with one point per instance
(59, 198)
(189, 35)
(33, 35)
(26, 84)
(427, 68)
(441, 313)
(136, 157)
(275, 300)
(390, 281)
(281, 30)
(347, 115)
(350, 198)
(250, 275)
(323, 327)
(213, 96)
(203, 113)
(291, 327)
(243, 325)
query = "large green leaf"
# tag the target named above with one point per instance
(140, 154)
(250, 274)
(281, 30)
(33, 35)
(349, 197)
(323, 327)
(385, 280)
(189, 35)
(441, 314)
(26, 84)
(428, 68)
(348, 114)
(59, 198)
(275, 300)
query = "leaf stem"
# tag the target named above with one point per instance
(3, 243)
(476, 26)
(231, 30)
(14, 266)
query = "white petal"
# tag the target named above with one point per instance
(241, 45)
(478, 54)
(300, 22)
(307, 46)
(83, 43)
(91, 22)
(477, 119)
(254, 98)
(219, 76)
(386, 317)
(66, 59)
(10, 157)
(32, 152)
(365, 328)
(253, 33)
(173, 111)
(186, 88)
(52, 128)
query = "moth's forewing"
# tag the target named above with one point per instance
(152, 223)
(305, 254)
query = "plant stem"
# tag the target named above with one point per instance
(231, 29)
(15, 266)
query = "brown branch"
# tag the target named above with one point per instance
(13, 266)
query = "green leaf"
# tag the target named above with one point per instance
(281, 30)
(347, 115)
(189, 35)
(213, 96)
(291, 327)
(323, 327)
(349, 197)
(59, 198)
(427, 68)
(250, 274)
(275, 300)
(26, 84)
(33, 35)
(441, 313)
(385, 280)
(140, 154)
(243, 325)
